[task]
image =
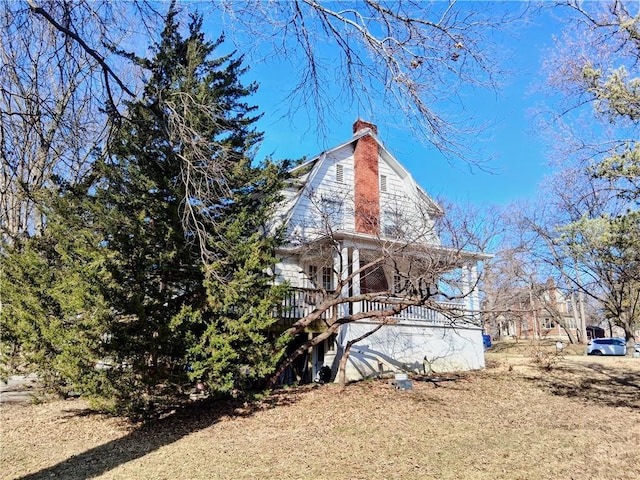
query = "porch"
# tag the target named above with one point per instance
(388, 272)
(304, 301)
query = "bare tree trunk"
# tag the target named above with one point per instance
(576, 316)
(568, 332)
(534, 320)
(583, 320)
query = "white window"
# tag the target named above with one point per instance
(548, 324)
(392, 224)
(327, 278)
(398, 283)
(331, 210)
(383, 183)
(339, 173)
(312, 275)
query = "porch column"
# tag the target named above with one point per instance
(341, 266)
(355, 286)
(464, 286)
(475, 297)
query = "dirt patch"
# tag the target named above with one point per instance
(581, 419)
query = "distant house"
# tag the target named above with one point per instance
(593, 331)
(355, 205)
(607, 328)
(540, 311)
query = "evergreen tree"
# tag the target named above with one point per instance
(178, 219)
(187, 212)
(237, 349)
(54, 320)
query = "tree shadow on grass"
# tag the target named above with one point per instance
(156, 434)
(612, 386)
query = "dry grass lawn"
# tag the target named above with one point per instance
(580, 420)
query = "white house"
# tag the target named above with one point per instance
(360, 228)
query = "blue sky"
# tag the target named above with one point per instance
(518, 155)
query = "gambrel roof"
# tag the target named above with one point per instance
(311, 167)
(313, 177)
(319, 177)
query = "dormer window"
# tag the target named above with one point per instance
(340, 173)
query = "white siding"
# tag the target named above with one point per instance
(394, 347)
(289, 269)
(401, 206)
(325, 199)
(417, 348)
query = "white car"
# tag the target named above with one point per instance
(608, 346)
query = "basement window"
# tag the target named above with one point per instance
(340, 173)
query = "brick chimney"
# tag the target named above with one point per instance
(366, 188)
(361, 125)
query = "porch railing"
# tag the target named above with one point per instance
(302, 302)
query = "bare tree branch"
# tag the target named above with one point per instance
(108, 72)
